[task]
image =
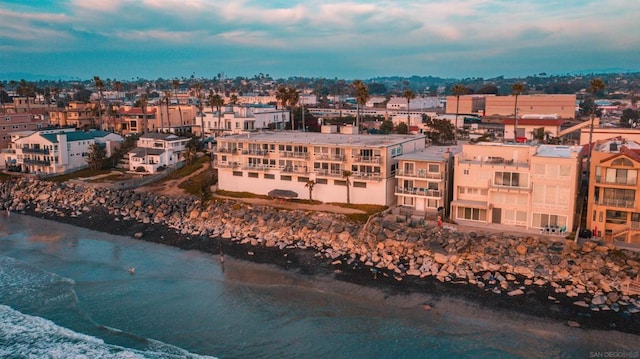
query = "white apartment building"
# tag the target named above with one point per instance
(517, 185)
(60, 150)
(156, 150)
(424, 179)
(236, 119)
(418, 103)
(261, 162)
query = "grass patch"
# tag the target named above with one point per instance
(187, 170)
(198, 184)
(369, 209)
(87, 172)
(241, 194)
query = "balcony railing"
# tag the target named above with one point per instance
(617, 181)
(327, 157)
(420, 174)
(35, 150)
(621, 203)
(295, 154)
(228, 164)
(423, 192)
(376, 176)
(36, 162)
(367, 159)
(329, 173)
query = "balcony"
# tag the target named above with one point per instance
(617, 181)
(422, 192)
(332, 157)
(259, 167)
(228, 164)
(41, 151)
(329, 173)
(36, 162)
(420, 174)
(295, 154)
(366, 159)
(293, 169)
(373, 176)
(620, 203)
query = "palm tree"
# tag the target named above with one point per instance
(362, 96)
(346, 174)
(294, 98)
(309, 185)
(595, 86)
(176, 85)
(233, 99)
(99, 86)
(516, 90)
(25, 89)
(216, 101)
(409, 95)
(166, 99)
(1, 96)
(197, 91)
(457, 91)
(283, 94)
(143, 106)
(117, 85)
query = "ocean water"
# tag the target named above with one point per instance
(66, 292)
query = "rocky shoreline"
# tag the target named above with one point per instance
(584, 286)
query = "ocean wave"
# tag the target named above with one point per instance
(23, 335)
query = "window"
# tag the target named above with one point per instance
(466, 172)
(285, 178)
(510, 179)
(360, 184)
(473, 214)
(434, 168)
(340, 183)
(269, 176)
(616, 217)
(321, 181)
(237, 173)
(303, 179)
(252, 175)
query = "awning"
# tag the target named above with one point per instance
(282, 193)
(469, 203)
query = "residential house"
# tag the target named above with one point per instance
(528, 128)
(532, 187)
(235, 119)
(266, 161)
(134, 120)
(156, 150)
(76, 114)
(613, 211)
(424, 179)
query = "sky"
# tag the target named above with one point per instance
(126, 39)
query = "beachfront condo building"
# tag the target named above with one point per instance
(613, 212)
(236, 119)
(58, 151)
(424, 179)
(532, 187)
(329, 167)
(76, 114)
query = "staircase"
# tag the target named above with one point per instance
(596, 123)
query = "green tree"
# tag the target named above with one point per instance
(594, 86)
(310, 184)
(143, 101)
(96, 156)
(442, 130)
(386, 127)
(346, 174)
(457, 91)
(629, 117)
(198, 93)
(516, 90)
(216, 101)
(409, 95)
(190, 151)
(362, 96)
(402, 128)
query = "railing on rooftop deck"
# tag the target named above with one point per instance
(618, 181)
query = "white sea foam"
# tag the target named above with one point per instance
(24, 336)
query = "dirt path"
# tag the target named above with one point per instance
(170, 187)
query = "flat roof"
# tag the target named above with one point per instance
(431, 153)
(558, 151)
(317, 138)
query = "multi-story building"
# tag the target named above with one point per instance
(424, 179)
(76, 114)
(235, 119)
(343, 167)
(134, 120)
(517, 185)
(613, 212)
(155, 150)
(561, 106)
(59, 151)
(19, 122)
